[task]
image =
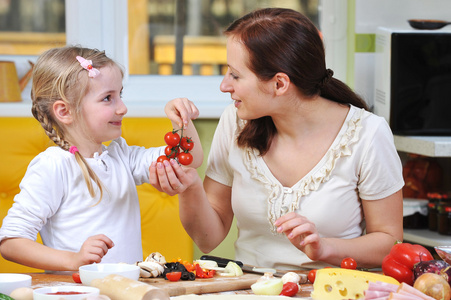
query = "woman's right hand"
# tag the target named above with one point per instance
(302, 233)
(93, 250)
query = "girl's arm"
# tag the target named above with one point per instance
(384, 227)
(33, 254)
(181, 112)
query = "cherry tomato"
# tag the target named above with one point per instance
(172, 138)
(171, 152)
(162, 158)
(174, 276)
(76, 277)
(289, 289)
(312, 275)
(185, 158)
(349, 263)
(186, 143)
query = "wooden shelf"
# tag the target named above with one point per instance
(426, 237)
(432, 146)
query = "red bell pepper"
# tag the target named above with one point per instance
(203, 273)
(401, 260)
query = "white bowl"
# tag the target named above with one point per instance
(50, 293)
(10, 281)
(94, 271)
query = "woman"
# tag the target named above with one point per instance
(309, 174)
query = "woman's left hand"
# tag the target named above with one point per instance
(181, 111)
(302, 233)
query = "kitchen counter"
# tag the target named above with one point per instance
(46, 280)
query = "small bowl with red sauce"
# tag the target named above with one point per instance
(67, 292)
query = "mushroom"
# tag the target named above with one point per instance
(153, 266)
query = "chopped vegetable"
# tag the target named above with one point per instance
(178, 267)
(204, 273)
(268, 287)
(232, 269)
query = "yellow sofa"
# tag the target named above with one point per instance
(23, 138)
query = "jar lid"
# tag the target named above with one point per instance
(412, 206)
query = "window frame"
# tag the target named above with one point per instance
(103, 24)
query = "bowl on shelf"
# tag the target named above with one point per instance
(95, 271)
(76, 292)
(11, 281)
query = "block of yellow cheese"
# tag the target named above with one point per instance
(338, 283)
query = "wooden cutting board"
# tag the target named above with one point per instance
(203, 286)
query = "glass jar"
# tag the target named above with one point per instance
(444, 218)
(433, 201)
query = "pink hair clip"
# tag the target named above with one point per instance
(87, 64)
(73, 149)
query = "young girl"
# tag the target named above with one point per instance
(81, 195)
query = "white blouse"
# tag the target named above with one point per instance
(55, 201)
(361, 163)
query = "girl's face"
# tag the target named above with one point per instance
(102, 106)
(251, 96)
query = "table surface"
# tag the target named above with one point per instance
(45, 280)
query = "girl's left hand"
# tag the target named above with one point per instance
(302, 233)
(181, 111)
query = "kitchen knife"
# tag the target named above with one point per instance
(222, 262)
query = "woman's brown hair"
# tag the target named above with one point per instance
(284, 40)
(58, 75)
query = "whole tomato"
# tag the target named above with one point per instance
(171, 152)
(172, 138)
(162, 158)
(312, 275)
(174, 276)
(76, 277)
(349, 263)
(289, 289)
(185, 158)
(186, 143)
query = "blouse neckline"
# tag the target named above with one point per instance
(341, 146)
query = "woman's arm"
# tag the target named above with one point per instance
(384, 226)
(205, 208)
(206, 213)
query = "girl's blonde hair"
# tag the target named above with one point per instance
(58, 75)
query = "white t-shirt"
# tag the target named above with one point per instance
(362, 163)
(54, 200)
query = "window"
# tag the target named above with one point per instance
(27, 27)
(185, 36)
(148, 47)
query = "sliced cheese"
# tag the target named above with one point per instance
(338, 283)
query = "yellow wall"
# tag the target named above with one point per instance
(162, 231)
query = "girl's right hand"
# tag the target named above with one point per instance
(171, 178)
(94, 249)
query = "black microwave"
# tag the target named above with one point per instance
(413, 81)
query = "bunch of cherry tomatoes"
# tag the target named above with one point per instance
(178, 148)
